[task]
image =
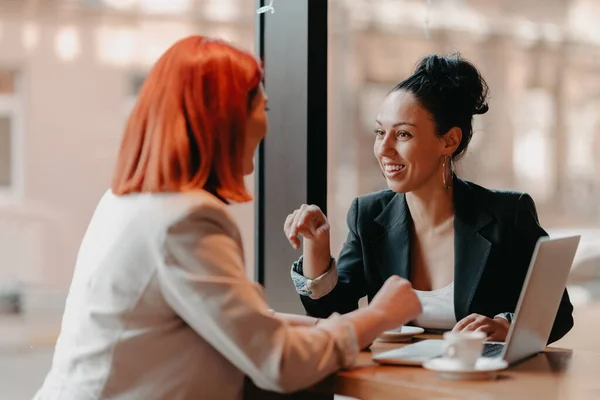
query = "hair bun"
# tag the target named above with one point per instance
(458, 79)
(452, 91)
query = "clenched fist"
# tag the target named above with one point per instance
(397, 302)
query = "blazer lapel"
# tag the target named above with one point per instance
(471, 249)
(392, 247)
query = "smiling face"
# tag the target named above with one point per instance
(407, 147)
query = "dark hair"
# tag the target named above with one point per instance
(452, 90)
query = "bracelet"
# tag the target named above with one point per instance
(297, 266)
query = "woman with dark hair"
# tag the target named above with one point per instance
(466, 249)
(160, 306)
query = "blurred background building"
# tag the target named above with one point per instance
(70, 71)
(541, 60)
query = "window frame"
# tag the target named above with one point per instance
(291, 162)
(11, 105)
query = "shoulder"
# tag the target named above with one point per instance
(499, 202)
(166, 214)
(199, 211)
(500, 196)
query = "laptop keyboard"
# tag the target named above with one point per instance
(492, 350)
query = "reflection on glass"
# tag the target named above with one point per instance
(7, 82)
(221, 10)
(120, 4)
(5, 152)
(164, 6)
(66, 43)
(542, 131)
(150, 6)
(31, 35)
(583, 20)
(65, 135)
(155, 36)
(541, 135)
(115, 46)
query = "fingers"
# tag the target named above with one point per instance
(394, 278)
(473, 326)
(464, 322)
(303, 220)
(496, 337)
(291, 231)
(495, 329)
(295, 223)
(472, 323)
(479, 323)
(307, 221)
(288, 223)
(324, 228)
(487, 329)
(397, 281)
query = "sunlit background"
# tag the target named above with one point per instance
(70, 71)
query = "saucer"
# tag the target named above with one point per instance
(485, 368)
(403, 335)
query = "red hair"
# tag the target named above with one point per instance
(187, 129)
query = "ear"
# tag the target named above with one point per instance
(451, 140)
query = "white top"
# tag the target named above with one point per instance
(160, 308)
(438, 308)
(438, 305)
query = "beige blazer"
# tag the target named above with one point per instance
(160, 308)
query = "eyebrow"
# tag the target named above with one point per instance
(398, 124)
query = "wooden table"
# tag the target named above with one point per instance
(556, 374)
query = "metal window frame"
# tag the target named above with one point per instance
(291, 163)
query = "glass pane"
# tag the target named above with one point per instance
(73, 131)
(135, 83)
(7, 81)
(541, 134)
(5, 152)
(238, 28)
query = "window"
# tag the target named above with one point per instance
(133, 84)
(11, 136)
(136, 82)
(176, 7)
(222, 10)
(541, 131)
(5, 152)
(155, 39)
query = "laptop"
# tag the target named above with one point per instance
(536, 310)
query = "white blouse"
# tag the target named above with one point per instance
(438, 305)
(438, 308)
(160, 309)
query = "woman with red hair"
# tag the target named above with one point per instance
(160, 306)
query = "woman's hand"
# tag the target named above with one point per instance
(309, 222)
(397, 302)
(496, 329)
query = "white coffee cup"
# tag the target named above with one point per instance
(463, 348)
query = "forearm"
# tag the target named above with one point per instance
(340, 300)
(317, 256)
(297, 320)
(368, 324)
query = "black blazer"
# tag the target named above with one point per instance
(495, 235)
